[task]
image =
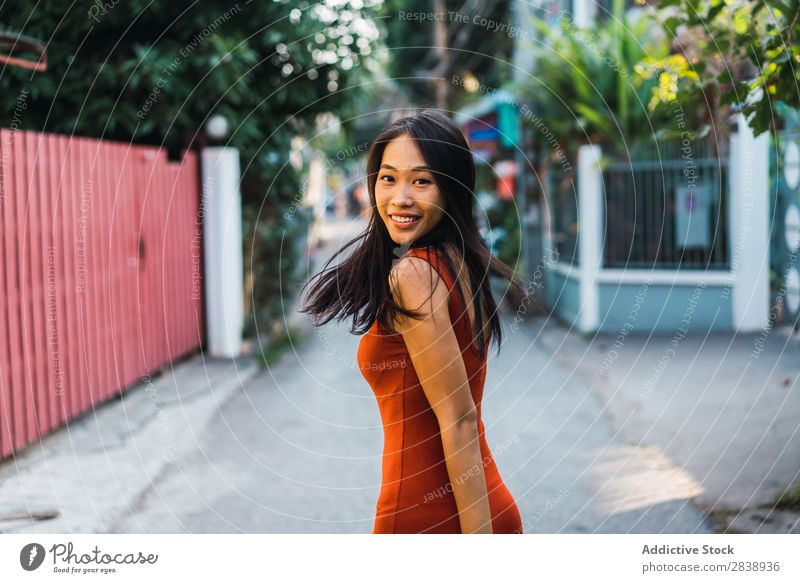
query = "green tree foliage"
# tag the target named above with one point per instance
(748, 49)
(153, 71)
(479, 38)
(607, 85)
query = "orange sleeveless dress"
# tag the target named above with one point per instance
(416, 494)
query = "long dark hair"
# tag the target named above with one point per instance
(358, 286)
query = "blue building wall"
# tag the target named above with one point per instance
(659, 307)
(563, 295)
(664, 307)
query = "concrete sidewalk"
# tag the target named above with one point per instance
(298, 450)
(723, 408)
(85, 476)
(219, 446)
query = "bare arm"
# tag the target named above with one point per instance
(437, 360)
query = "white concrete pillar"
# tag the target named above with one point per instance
(584, 13)
(590, 235)
(550, 257)
(316, 198)
(748, 211)
(222, 247)
(317, 186)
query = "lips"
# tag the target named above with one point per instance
(401, 222)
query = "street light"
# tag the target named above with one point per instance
(217, 127)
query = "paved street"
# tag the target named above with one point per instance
(297, 449)
(224, 447)
(82, 477)
(726, 413)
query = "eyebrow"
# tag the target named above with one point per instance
(425, 168)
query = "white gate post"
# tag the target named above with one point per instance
(222, 248)
(748, 176)
(590, 235)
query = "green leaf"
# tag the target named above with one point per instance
(714, 11)
(594, 117)
(725, 77)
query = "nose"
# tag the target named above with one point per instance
(403, 196)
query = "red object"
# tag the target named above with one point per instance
(506, 176)
(10, 42)
(416, 493)
(505, 188)
(83, 316)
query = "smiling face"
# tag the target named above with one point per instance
(407, 198)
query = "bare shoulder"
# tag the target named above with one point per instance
(414, 280)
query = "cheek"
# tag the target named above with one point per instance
(380, 200)
(436, 206)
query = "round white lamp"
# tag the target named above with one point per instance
(217, 127)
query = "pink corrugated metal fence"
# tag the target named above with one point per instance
(100, 274)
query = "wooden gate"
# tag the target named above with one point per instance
(100, 281)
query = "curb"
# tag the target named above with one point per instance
(94, 471)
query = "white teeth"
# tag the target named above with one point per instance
(404, 219)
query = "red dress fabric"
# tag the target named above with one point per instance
(416, 493)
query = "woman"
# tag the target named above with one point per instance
(418, 286)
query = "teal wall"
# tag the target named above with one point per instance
(563, 295)
(656, 307)
(664, 307)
